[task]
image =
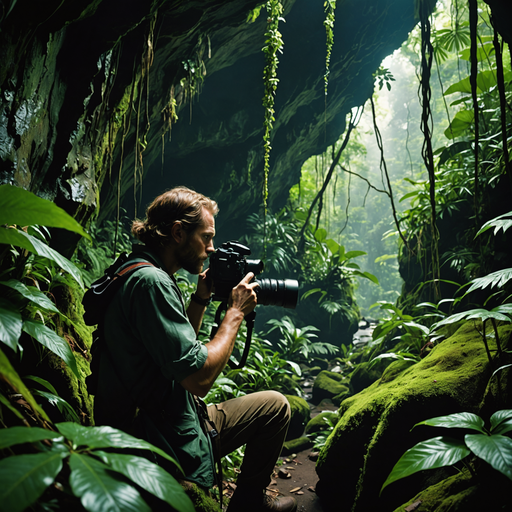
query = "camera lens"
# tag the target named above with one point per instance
(254, 266)
(278, 292)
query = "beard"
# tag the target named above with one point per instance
(190, 260)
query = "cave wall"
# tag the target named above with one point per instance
(71, 70)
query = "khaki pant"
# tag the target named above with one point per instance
(259, 420)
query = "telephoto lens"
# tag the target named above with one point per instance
(278, 292)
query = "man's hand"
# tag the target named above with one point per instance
(204, 285)
(243, 296)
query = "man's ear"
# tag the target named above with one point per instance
(178, 233)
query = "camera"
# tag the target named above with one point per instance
(229, 265)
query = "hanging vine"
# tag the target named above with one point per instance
(273, 46)
(426, 128)
(330, 7)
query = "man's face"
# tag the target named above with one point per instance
(198, 245)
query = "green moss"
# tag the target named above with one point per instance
(318, 424)
(300, 416)
(375, 425)
(201, 499)
(296, 445)
(363, 376)
(328, 385)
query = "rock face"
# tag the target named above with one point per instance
(375, 425)
(87, 89)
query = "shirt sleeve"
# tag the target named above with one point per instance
(159, 317)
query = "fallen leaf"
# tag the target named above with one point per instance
(300, 493)
(413, 506)
(295, 489)
(312, 489)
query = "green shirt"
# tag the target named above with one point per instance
(155, 347)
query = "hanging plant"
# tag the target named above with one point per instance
(273, 45)
(330, 7)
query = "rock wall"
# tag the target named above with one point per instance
(82, 81)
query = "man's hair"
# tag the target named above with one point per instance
(179, 204)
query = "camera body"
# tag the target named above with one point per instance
(229, 265)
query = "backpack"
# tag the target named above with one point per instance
(96, 301)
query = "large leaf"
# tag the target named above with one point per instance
(11, 324)
(61, 404)
(501, 422)
(498, 278)
(457, 420)
(460, 124)
(19, 435)
(13, 236)
(150, 477)
(500, 222)
(106, 437)
(25, 477)
(496, 450)
(18, 206)
(52, 341)
(9, 375)
(31, 293)
(99, 491)
(433, 453)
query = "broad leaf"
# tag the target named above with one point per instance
(498, 278)
(52, 341)
(457, 420)
(501, 422)
(106, 437)
(460, 124)
(431, 454)
(19, 435)
(21, 207)
(13, 236)
(25, 477)
(31, 293)
(9, 375)
(11, 324)
(99, 491)
(60, 403)
(500, 222)
(150, 477)
(320, 234)
(332, 245)
(295, 367)
(496, 450)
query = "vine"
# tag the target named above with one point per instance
(273, 45)
(330, 7)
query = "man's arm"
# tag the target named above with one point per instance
(195, 311)
(243, 301)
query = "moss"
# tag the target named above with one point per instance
(362, 377)
(201, 499)
(300, 416)
(318, 424)
(327, 385)
(296, 445)
(375, 425)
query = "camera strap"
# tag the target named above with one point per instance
(249, 320)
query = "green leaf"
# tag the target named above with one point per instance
(453, 150)
(354, 254)
(19, 435)
(106, 437)
(499, 278)
(320, 234)
(433, 453)
(457, 420)
(52, 341)
(501, 422)
(367, 275)
(496, 450)
(25, 477)
(9, 375)
(99, 491)
(11, 324)
(310, 292)
(13, 236)
(18, 206)
(31, 293)
(460, 124)
(500, 222)
(150, 477)
(60, 403)
(295, 367)
(332, 245)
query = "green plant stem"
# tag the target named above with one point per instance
(496, 334)
(486, 345)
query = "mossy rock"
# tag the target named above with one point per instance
(318, 424)
(300, 416)
(375, 425)
(362, 377)
(201, 499)
(328, 385)
(296, 445)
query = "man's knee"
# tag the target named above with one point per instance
(280, 404)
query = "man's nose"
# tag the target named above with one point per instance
(210, 248)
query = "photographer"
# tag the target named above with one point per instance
(155, 367)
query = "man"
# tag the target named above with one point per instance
(155, 363)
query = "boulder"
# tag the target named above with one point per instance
(328, 385)
(300, 416)
(375, 425)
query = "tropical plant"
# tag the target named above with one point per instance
(319, 438)
(75, 458)
(490, 445)
(296, 343)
